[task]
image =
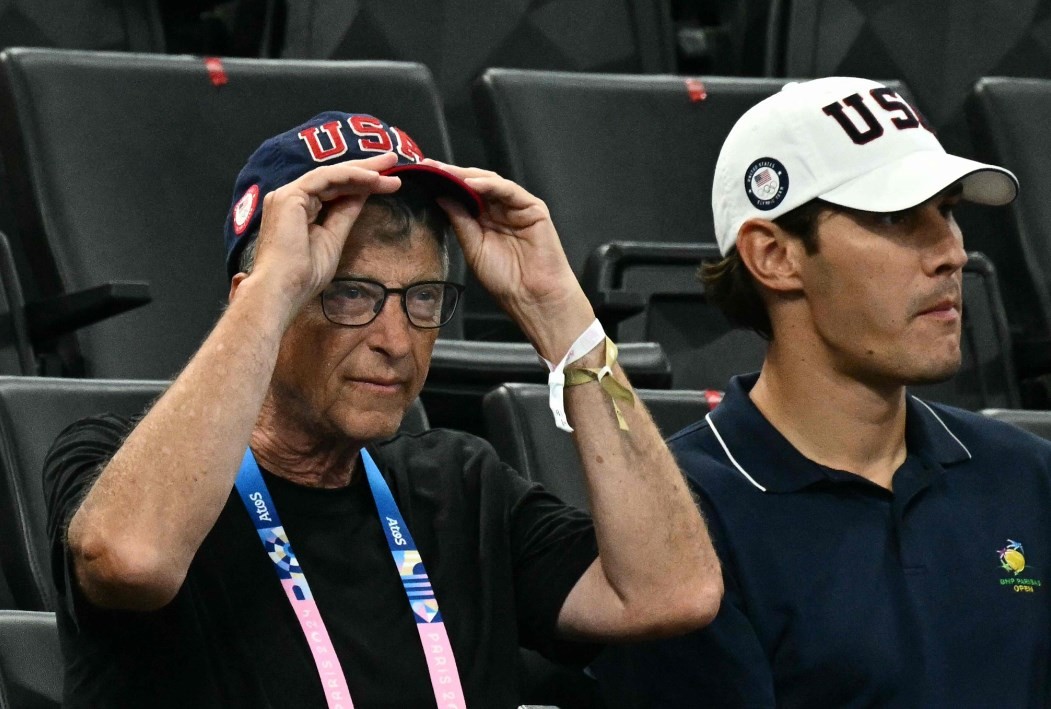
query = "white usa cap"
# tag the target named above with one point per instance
(851, 142)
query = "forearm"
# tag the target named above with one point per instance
(133, 537)
(654, 549)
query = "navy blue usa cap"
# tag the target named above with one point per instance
(328, 138)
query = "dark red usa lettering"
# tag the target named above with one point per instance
(903, 116)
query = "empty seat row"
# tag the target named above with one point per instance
(624, 162)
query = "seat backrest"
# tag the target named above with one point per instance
(30, 661)
(615, 157)
(1002, 112)
(134, 180)
(16, 349)
(33, 411)
(459, 40)
(523, 432)
(1034, 421)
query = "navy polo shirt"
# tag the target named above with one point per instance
(842, 593)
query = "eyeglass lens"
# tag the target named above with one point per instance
(352, 302)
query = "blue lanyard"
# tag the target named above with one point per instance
(441, 663)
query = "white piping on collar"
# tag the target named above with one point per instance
(708, 418)
(915, 398)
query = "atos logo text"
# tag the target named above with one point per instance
(395, 531)
(260, 507)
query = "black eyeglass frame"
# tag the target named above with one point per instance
(387, 292)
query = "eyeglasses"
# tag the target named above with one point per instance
(357, 301)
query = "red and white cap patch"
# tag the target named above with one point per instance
(244, 210)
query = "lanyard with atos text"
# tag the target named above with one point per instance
(445, 680)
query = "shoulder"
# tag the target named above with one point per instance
(983, 436)
(705, 461)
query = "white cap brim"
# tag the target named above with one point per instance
(917, 177)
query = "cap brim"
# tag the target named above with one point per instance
(921, 175)
(441, 184)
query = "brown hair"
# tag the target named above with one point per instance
(729, 285)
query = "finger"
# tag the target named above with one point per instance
(502, 190)
(341, 215)
(329, 181)
(461, 172)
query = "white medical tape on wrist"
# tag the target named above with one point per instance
(556, 380)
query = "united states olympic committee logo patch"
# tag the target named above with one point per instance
(766, 183)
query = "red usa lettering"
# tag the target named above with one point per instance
(326, 142)
(886, 99)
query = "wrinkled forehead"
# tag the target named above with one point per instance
(383, 247)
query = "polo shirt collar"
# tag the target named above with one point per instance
(769, 462)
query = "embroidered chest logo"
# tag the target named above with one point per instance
(1012, 561)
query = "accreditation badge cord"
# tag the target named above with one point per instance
(445, 680)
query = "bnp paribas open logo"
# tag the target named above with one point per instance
(1012, 561)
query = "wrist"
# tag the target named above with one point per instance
(261, 298)
(554, 326)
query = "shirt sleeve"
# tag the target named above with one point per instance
(71, 467)
(552, 544)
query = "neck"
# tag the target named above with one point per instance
(832, 418)
(295, 452)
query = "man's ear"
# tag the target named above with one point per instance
(234, 283)
(771, 255)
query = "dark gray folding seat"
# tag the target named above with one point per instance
(30, 661)
(1034, 421)
(33, 410)
(1006, 115)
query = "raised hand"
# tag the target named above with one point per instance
(514, 251)
(296, 252)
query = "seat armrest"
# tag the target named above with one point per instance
(59, 315)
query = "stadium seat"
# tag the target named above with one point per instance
(33, 410)
(521, 428)
(626, 163)
(30, 661)
(1037, 422)
(1002, 113)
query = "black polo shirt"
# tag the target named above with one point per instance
(842, 593)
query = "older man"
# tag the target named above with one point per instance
(259, 539)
